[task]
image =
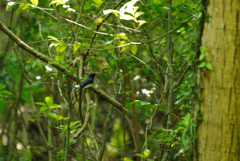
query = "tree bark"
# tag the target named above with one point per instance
(218, 135)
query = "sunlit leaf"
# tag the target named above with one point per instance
(35, 2)
(137, 14)
(141, 22)
(134, 49)
(55, 106)
(115, 12)
(61, 47)
(147, 152)
(49, 101)
(98, 2)
(59, 2)
(127, 159)
(40, 103)
(140, 155)
(110, 81)
(126, 17)
(59, 59)
(52, 37)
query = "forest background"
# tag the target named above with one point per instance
(152, 61)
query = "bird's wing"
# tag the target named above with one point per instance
(86, 82)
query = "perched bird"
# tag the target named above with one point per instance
(86, 82)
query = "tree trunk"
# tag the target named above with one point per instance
(218, 135)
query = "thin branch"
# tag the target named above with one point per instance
(109, 99)
(172, 30)
(86, 117)
(161, 85)
(176, 84)
(32, 101)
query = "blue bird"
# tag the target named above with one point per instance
(86, 82)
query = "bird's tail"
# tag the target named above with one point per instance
(76, 86)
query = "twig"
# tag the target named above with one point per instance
(86, 117)
(172, 30)
(109, 99)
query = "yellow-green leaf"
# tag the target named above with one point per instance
(61, 48)
(52, 37)
(59, 59)
(35, 2)
(49, 101)
(76, 45)
(137, 14)
(127, 159)
(134, 49)
(146, 152)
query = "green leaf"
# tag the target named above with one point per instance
(127, 92)
(160, 106)
(70, 140)
(55, 106)
(43, 108)
(168, 139)
(40, 103)
(59, 59)
(209, 66)
(147, 152)
(87, 45)
(65, 65)
(202, 50)
(61, 47)
(6, 92)
(49, 101)
(98, 2)
(72, 124)
(35, 2)
(203, 64)
(50, 62)
(76, 45)
(110, 81)
(127, 159)
(201, 56)
(158, 136)
(2, 86)
(134, 49)
(55, 117)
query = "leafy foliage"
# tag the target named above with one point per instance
(129, 41)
